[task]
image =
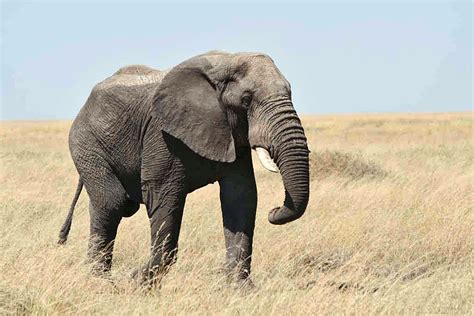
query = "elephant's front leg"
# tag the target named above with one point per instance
(165, 204)
(238, 194)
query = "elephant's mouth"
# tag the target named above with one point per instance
(266, 160)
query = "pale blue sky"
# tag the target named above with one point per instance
(356, 56)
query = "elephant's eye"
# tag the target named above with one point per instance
(246, 100)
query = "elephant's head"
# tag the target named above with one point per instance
(217, 103)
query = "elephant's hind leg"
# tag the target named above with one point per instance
(108, 204)
(103, 229)
(105, 219)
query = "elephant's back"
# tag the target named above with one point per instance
(126, 95)
(114, 116)
(132, 76)
(136, 70)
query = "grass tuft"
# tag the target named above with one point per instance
(329, 163)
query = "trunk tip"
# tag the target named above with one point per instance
(282, 215)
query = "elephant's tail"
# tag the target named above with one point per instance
(64, 232)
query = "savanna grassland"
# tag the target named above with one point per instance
(389, 228)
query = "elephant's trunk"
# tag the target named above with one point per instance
(290, 152)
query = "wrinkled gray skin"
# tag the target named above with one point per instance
(151, 137)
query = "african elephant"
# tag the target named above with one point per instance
(151, 137)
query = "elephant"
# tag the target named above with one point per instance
(151, 137)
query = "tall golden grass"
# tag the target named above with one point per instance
(389, 228)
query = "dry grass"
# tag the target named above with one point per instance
(335, 163)
(389, 228)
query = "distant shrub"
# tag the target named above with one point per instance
(335, 163)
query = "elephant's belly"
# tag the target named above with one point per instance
(132, 186)
(201, 173)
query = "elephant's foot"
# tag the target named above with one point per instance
(148, 277)
(244, 285)
(239, 279)
(143, 277)
(100, 266)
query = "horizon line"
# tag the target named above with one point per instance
(299, 114)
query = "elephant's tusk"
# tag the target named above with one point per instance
(266, 160)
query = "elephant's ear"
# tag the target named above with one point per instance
(187, 104)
